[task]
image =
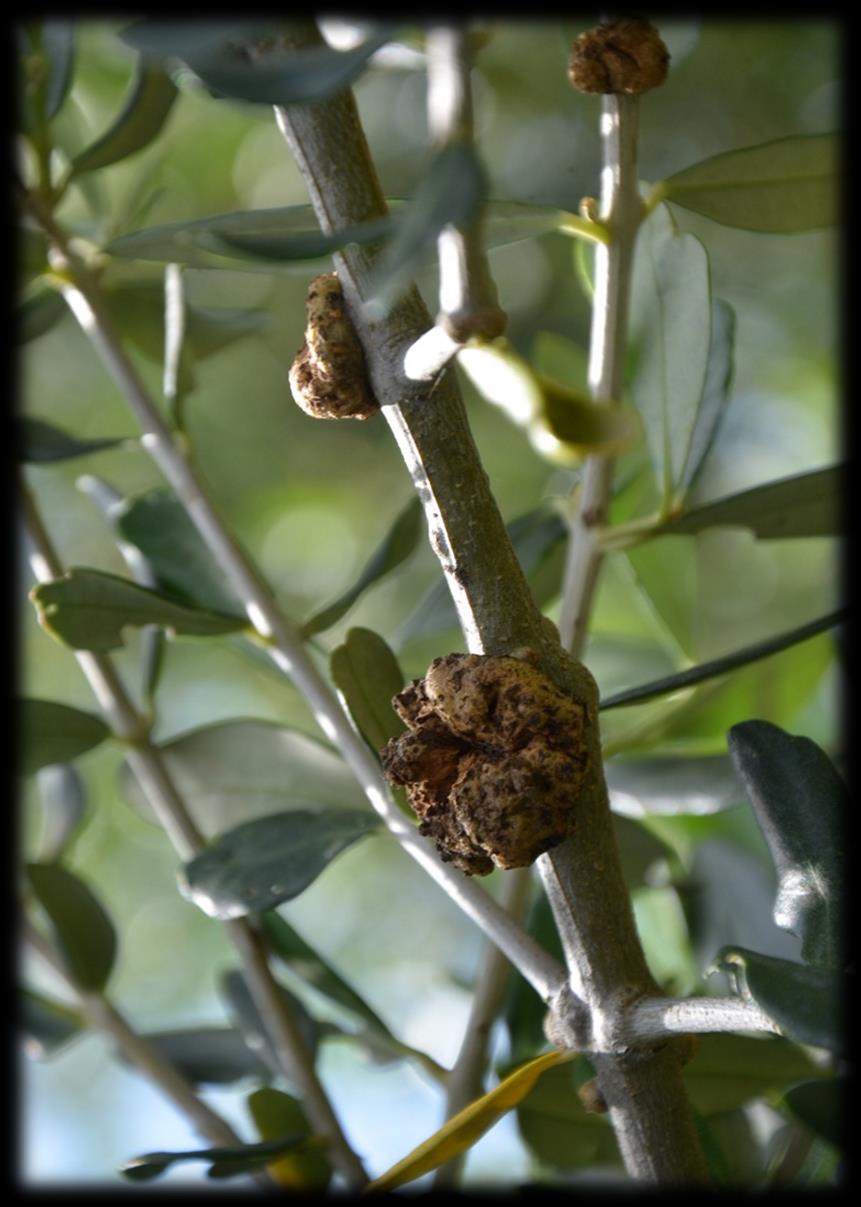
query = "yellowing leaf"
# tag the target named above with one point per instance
(466, 1127)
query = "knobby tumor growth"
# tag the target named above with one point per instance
(493, 760)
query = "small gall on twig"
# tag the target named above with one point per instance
(328, 378)
(625, 56)
(493, 760)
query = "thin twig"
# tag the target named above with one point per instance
(621, 211)
(652, 1018)
(106, 1019)
(147, 764)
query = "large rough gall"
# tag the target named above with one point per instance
(624, 56)
(493, 760)
(328, 378)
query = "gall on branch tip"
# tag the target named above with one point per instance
(493, 760)
(623, 56)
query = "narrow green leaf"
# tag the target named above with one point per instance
(721, 666)
(801, 804)
(248, 1021)
(524, 1010)
(278, 1114)
(144, 114)
(41, 443)
(730, 1070)
(273, 74)
(821, 1106)
(229, 1161)
(397, 545)
(38, 314)
(208, 1055)
(805, 1002)
(236, 770)
(58, 47)
(56, 733)
(64, 803)
(265, 862)
(175, 39)
(82, 930)
(303, 245)
(269, 239)
(670, 330)
(46, 1024)
(716, 387)
(88, 610)
(806, 504)
(673, 784)
(450, 193)
(462, 1130)
(784, 186)
(158, 525)
(367, 675)
(306, 963)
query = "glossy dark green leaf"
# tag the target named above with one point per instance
(41, 311)
(716, 388)
(88, 610)
(450, 193)
(808, 504)
(56, 733)
(64, 804)
(784, 186)
(272, 74)
(82, 930)
(278, 1114)
(670, 330)
(821, 1106)
(45, 1024)
(396, 546)
(229, 1161)
(721, 666)
(802, 806)
(233, 771)
(144, 114)
(246, 1017)
(158, 525)
(671, 784)
(806, 1002)
(41, 443)
(265, 862)
(367, 674)
(208, 1055)
(306, 963)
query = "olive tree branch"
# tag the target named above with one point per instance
(498, 615)
(147, 764)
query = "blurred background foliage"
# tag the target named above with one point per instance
(312, 500)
